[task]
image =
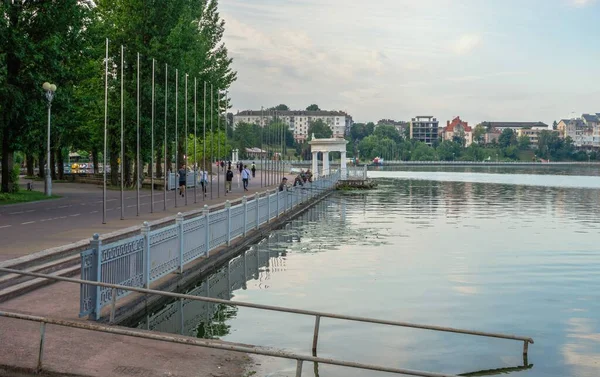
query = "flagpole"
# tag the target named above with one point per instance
(151, 168)
(165, 171)
(186, 157)
(105, 135)
(262, 165)
(195, 140)
(122, 147)
(212, 140)
(218, 142)
(204, 145)
(138, 172)
(176, 133)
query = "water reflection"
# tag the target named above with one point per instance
(518, 259)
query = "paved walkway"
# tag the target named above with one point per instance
(31, 227)
(35, 226)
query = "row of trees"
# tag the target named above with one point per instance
(367, 141)
(64, 42)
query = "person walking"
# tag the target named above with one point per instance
(283, 184)
(204, 181)
(182, 174)
(253, 170)
(245, 177)
(240, 167)
(228, 179)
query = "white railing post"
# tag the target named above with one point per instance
(179, 222)
(206, 214)
(96, 245)
(245, 205)
(365, 172)
(257, 198)
(146, 233)
(268, 206)
(277, 197)
(228, 210)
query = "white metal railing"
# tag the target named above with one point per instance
(137, 261)
(300, 359)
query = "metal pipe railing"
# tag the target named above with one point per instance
(316, 314)
(206, 343)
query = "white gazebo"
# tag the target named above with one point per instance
(325, 146)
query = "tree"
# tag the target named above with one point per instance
(507, 138)
(423, 152)
(386, 131)
(281, 107)
(319, 129)
(313, 107)
(523, 142)
(554, 125)
(449, 150)
(479, 134)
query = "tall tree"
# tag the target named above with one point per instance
(319, 129)
(41, 41)
(479, 134)
(281, 107)
(313, 107)
(507, 138)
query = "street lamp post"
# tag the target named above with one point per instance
(50, 90)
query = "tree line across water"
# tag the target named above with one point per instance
(64, 42)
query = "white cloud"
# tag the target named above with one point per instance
(466, 44)
(582, 3)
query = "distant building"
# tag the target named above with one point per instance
(501, 126)
(584, 131)
(532, 133)
(297, 121)
(401, 126)
(457, 128)
(424, 128)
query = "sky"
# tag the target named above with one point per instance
(482, 60)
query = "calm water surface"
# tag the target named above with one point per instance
(519, 256)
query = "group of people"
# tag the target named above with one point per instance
(300, 180)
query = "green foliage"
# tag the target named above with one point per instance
(313, 107)
(423, 152)
(281, 107)
(24, 197)
(14, 179)
(320, 130)
(217, 148)
(389, 132)
(479, 134)
(523, 142)
(507, 138)
(552, 146)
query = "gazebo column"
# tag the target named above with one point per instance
(315, 165)
(343, 169)
(326, 163)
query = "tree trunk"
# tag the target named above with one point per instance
(60, 162)
(6, 158)
(53, 165)
(159, 159)
(29, 160)
(41, 163)
(127, 171)
(95, 159)
(114, 169)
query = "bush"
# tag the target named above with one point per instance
(13, 183)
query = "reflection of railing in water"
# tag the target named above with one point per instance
(197, 318)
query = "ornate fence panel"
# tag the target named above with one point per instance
(217, 229)
(121, 263)
(139, 260)
(87, 292)
(164, 251)
(263, 209)
(194, 238)
(251, 216)
(237, 221)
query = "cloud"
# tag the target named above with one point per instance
(466, 44)
(581, 3)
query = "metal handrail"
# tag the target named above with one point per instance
(316, 314)
(207, 343)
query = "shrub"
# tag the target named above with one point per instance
(13, 182)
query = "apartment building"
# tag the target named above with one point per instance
(584, 131)
(532, 133)
(501, 126)
(297, 121)
(424, 128)
(457, 127)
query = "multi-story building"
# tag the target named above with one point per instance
(297, 121)
(457, 128)
(584, 131)
(532, 133)
(501, 126)
(424, 128)
(401, 126)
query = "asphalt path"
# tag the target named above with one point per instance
(30, 227)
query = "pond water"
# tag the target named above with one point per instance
(510, 253)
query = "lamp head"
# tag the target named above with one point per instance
(46, 86)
